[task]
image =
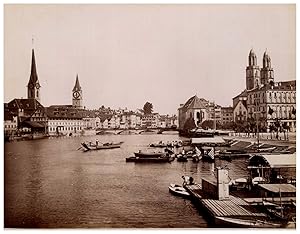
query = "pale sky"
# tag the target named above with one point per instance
(126, 55)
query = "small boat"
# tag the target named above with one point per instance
(258, 180)
(274, 210)
(149, 159)
(171, 144)
(88, 147)
(245, 223)
(197, 156)
(182, 158)
(178, 190)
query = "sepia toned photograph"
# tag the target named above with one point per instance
(165, 116)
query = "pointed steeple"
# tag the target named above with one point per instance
(77, 85)
(33, 74)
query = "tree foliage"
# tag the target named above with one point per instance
(148, 108)
(189, 124)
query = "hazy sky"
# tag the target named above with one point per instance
(126, 55)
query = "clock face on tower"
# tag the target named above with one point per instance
(30, 85)
(76, 95)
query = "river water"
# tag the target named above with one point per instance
(50, 183)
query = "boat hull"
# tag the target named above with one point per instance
(148, 155)
(244, 223)
(101, 147)
(148, 160)
(178, 191)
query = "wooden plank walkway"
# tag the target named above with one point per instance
(233, 207)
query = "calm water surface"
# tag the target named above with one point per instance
(49, 183)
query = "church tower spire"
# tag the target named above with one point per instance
(267, 72)
(33, 87)
(252, 72)
(77, 95)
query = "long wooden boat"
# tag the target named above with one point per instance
(100, 147)
(244, 223)
(178, 190)
(148, 154)
(149, 159)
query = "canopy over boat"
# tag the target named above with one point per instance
(273, 161)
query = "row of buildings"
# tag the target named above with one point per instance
(264, 101)
(29, 115)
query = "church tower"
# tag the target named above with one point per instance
(267, 72)
(33, 87)
(77, 95)
(252, 72)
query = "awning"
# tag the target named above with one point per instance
(273, 161)
(275, 188)
(208, 141)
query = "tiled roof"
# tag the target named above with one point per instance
(242, 94)
(279, 86)
(8, 115)
(193, 103)
(62, 112)
(26, 104)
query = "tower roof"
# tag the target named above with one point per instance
(77, 85)
(33, 73)
(252, 53)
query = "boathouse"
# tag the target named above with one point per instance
(276, 168)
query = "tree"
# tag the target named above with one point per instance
(148, 108)
(207, 124)
(189, 124)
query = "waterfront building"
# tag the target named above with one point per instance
(77, 95)
(30, 113)
(10, 122)
(227, 115)
(112, 122)
(264, 100)
(240, 111)
(162, 122)
(194, 109)
(90, 120)
(150, 120)
(64, 120)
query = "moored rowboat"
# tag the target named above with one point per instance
(178, 190)
(245, 223)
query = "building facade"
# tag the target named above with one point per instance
(264, 100)
(193, 109)
(64, 120)
(227, 115)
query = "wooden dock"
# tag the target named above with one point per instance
(233, 207)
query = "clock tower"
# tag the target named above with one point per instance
(77, 95)
(33, 87)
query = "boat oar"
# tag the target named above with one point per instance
(79, 148)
